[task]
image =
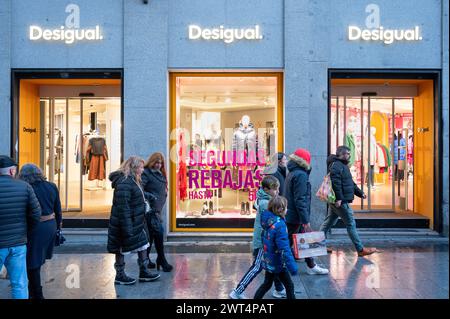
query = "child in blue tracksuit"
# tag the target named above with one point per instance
(269, 188)
(278, 260)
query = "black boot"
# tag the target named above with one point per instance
(211, 208)
(145, 274)
(242, 208)
(161, 260)
(121, 276)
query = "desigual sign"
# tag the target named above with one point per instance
(387, 36)
(375, 32)
(227, 35)
(70, 33)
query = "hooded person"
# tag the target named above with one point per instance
(298, 194)
(126, 232)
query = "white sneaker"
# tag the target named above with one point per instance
(279, 294)
(234, 295)
(317, 270)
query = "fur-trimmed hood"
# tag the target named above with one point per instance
(296, 160)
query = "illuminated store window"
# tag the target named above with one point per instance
(227, 136)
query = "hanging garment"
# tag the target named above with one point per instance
(381, 161)
(350, 143)
(410, 151)
(388, 155)
(98, 155)
(182, 170)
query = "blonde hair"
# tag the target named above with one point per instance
(130, 167)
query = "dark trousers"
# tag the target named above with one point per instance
(120, 259)
(284, 277)
(254, 271)
(295, 229)
(34, 283)
(155, 232)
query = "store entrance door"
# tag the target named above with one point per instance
(69, 127)
(377, 131)
(389, 127)
(72, 130)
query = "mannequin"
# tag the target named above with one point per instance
(373, 157)
(244, 138)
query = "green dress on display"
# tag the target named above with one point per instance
(350, 143)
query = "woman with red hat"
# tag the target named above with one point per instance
(298, 194)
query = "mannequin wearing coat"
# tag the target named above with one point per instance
(244, 138)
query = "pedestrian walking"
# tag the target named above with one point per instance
(278, 260)
(345, 190)
(20, 214)
(298, 194)
(126, 232)
(154, 182)
(280, 174)
(42, 239)
(269, 189)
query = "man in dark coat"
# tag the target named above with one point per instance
(20, 214)
(298, 194)
(126, 227)
(345, 190)
(280, 174)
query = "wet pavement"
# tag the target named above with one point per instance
(397, 271)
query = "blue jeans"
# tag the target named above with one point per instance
(15, 261)
(345, 212)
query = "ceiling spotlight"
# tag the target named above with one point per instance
(227, 100)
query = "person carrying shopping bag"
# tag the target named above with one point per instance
(298, 194)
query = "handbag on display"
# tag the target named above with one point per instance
(309, 244)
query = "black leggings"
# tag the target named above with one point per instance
(284, 277)
(34, 283)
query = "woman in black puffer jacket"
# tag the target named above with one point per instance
(154, 181)
(126, 232)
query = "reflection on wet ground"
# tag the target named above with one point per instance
(405, 272)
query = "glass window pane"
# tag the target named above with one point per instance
(226, 138)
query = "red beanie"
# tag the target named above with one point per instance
(304, 154)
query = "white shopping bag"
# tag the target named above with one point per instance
(309, 244)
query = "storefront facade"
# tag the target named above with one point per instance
(219, 87)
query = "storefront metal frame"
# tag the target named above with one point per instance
(406, 74)
(18, 74)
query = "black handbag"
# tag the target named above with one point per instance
(153, 222)
(59, 238)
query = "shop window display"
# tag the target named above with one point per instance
(226, 142)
